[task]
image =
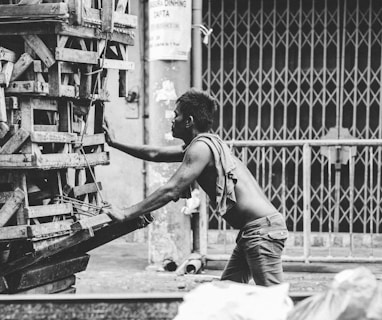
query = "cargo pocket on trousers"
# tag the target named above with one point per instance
(278, 235)
(273, 243)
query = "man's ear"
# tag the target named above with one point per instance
(190, 121)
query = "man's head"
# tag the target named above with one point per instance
(199, 107)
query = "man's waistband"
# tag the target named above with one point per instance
(265, 221)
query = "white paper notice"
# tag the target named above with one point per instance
(169, 29)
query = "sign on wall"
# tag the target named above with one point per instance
(169, 29)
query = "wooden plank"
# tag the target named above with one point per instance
(46, 127)
(71, 160)
(15, 143)
(52, 161)
(107, 234)
(75, 9)
(10, 206)
(53, 287)
(4, 128)
(107, 16)
(54, 77)
(5, 195)
(42, 244)
(21, 65)
(5, 75)
(91, 140)
(43, 10)
(27, 119)
(117, 64)
(86, 188)
(2, 80)
(86, 82)
(13, 233)
(12, 103)
(39, 47)
(76, 56)
(20, 181)
(125, 20)
(92, 33)
(49, 229)
(39, 67)
(53, 137)
(20, 87)
(63, 245)
(6, 54)
(96, 222)
(48, 210)
(66, 243)
(69, 91)
(16, 160)
(46, 272)
(93, 16)
(40, 87)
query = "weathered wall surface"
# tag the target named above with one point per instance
(170, 233)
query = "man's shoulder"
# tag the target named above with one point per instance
(199, 151)
(198, 146)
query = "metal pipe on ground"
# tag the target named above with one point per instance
(194, 266)
(169, 265)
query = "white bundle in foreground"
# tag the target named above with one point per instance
(226, 300)
(354, 295)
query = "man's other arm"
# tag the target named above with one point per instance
(195, 160)
(145, 152)
(152, 153)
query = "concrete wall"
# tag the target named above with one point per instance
(122, 180)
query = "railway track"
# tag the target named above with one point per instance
(145, 306)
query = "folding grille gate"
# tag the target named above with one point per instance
(286, 72)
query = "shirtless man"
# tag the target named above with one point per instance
(205, 158)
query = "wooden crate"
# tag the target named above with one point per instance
(49, 276)
(54, 64)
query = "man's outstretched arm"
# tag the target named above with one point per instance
(195, 160)
(145, 152)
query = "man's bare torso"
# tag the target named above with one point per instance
(251, 202)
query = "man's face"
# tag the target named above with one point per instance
(178, 127)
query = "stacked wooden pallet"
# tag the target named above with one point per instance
(54, 58)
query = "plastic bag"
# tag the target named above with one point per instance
(374, 311)
(349, 298)
(226, 300)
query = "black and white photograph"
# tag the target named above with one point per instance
(191, 159)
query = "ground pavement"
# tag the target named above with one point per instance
(122, 267)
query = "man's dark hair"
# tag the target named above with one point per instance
(200, 106)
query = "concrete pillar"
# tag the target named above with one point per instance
(170, 234)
